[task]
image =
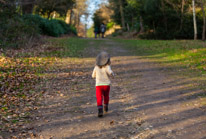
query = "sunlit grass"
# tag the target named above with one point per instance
(187, 54)
(69, 47)
(191, 54)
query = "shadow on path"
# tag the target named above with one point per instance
(146, 101)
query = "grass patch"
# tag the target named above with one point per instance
(67, 47)
(189, 55)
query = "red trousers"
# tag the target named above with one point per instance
(102, 92)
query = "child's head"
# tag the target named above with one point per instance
(103, 59)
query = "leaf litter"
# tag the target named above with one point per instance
(20, 71)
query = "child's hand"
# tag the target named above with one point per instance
(112, 75)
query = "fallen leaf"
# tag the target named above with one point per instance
(112, 122)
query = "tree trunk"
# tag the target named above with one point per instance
(77, 19)
(85, 29)
(49, 13)
(54, 15)
(194, 20)
(71, 16)
(67, 19)
(122, 14)
(27, 6)
(141, 25)
(203, 13)
(182, 14)
(132, 21)
(164, 16)
(128, 28)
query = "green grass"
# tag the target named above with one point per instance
(68, 47)
(187, 53)
(188, 57)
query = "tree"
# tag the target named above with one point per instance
(194, 20)
(69, 17)
(46, 7)
(27, 6)
(102, 15)
(141, 25)
(160, 19)
(203, 14)
(120, 11)
(98, 19)
(63, 6)
(182, 13)
(78, 10)
(122, 14)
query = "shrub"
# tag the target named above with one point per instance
(15, 31)
(72, 29)
(64, 26)
(110, 25)
(34, 20)
(53, 27)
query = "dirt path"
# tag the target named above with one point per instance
(145, 102)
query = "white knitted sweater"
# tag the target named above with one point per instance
(102, 75)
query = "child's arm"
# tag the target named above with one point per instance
(109, 71)
(94, 73)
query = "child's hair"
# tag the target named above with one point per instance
(108, 63)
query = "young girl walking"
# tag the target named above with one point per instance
(101, 73)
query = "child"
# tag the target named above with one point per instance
(101, 72)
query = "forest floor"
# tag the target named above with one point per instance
(148, 100)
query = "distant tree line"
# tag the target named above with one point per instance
(161, 19)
